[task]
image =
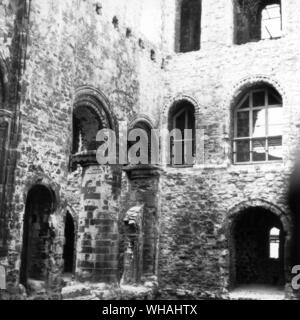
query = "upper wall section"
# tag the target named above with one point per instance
(8, 10)
(214, 74)
(219, 19)
(13, 23)
(143, 17)
(112, 46)
(74, 44)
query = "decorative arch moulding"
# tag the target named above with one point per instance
(238, 208)
(241, 86)
(42, 179)
(249, 81)
(95, 99)
(181, 97)
(143, 118)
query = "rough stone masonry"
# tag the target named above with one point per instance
(73, 229)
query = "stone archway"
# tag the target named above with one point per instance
(253, 264)
(38, 235)
(249, 227)
(97, 252)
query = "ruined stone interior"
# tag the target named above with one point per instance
(220, 226)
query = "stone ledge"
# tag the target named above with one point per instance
(186, 294)
(142, 171)
(84, 159)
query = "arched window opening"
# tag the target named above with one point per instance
(258, 126)
(190, 25)
(274, 240)
(257, 20)
(69, 246)
(182, 147)
(86, 125)
(37, 235)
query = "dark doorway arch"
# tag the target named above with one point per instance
(37, 234)
(252, 261)
(69, 246)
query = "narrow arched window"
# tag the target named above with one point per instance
(274, 241)
(190, 25)
(258, 126)
(182, 143)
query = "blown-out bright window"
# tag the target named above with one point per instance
(258, 126)
(271, 24)
(274, 243)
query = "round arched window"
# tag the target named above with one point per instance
(258, 126)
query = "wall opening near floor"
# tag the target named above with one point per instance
(37, 235)
(257, 252)
(69, 245)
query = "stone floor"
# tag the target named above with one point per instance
(102, 291)
(257, 292)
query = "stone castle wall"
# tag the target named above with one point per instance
(196, 203)
(73, 44)
(124, 51)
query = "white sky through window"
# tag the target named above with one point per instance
(271, 22)
(274, 243)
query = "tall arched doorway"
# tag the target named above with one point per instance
(69, 246)
(37, 235)
(257, 248)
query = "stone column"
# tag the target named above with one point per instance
(5, 125)
(144, 190)
(98, 236)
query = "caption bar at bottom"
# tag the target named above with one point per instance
(151, 309)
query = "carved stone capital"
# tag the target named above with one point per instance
(142, 171)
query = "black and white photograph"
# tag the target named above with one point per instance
(149, 153)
